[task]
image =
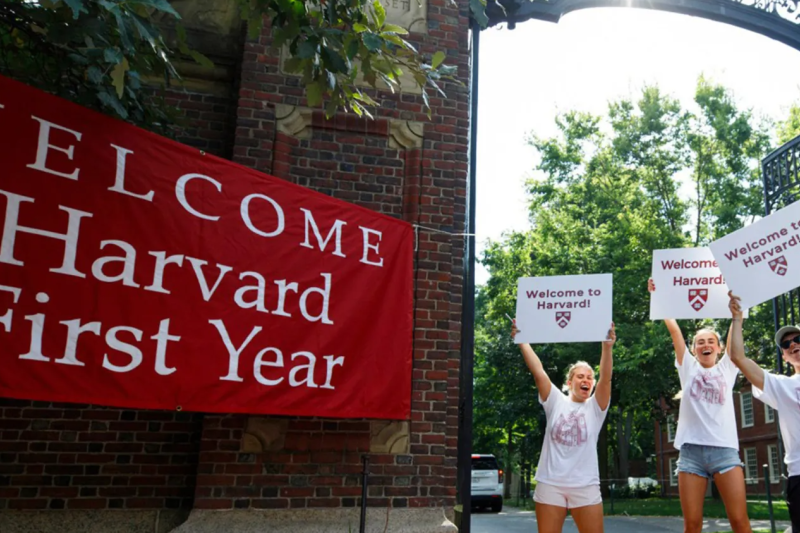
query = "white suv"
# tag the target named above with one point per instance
(487, 483)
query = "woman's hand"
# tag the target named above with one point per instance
(514, 330)
(650, 285)
(612, 337)
(735, 305)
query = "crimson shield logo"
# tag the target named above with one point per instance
(698, 298)
(779, 265)
(563, 318)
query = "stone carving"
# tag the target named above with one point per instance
(410, 14)
(293, 120)
(389, 437)
(264, 435)
(404, 135)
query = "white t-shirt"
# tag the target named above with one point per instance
(782, 393)
(706, 415)
(569, 453)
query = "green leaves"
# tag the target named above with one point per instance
(607, 195)
(77, 7)
(380, 13)
(87, 50)
(478, 10)
(437, 59)
(118, 76)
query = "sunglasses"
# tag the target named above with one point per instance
(788, 342)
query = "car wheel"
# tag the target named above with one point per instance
(497, 506)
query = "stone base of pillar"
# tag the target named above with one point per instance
(99, 521)
(423, 520)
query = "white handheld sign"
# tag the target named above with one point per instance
(689, 284)
(564, 308)
(762, 260)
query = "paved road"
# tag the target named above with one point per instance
(512, 520)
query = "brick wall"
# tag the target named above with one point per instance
(205, 121)
(78, 457)
(424, 183)
(71, 456)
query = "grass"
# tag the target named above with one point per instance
(672, 507)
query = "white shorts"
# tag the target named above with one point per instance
(570, 498)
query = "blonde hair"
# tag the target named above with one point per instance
(571, 372)
(707, 330)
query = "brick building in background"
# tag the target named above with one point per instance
(70, 467)
(757, 426)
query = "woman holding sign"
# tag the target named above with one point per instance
(780, 393)
(706, 436)
(568, 476)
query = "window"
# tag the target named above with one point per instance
(769, 414)
(746, 403)
(670, 428)
(774, 464)
(673, 476)
(750, 466)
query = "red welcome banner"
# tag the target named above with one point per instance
(138, 272)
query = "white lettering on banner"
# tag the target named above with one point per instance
(115, 344)
(5, 320)
(260, 289)
(233, 352)
(309, 369)
(335, 230)
(70, 238)
(197, 266)
(333, 362)
(245, 211)
(37, 327)
(158, 273)
(259, 362)
(180, 193)
(44, 145)
(283, 287)
(74, 330)
(326, 297)
(163, 337)
(366, 232)
(76, 327)
(119, 179)
(129, 264)
(299, 375)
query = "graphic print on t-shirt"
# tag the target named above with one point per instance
(571, 431)
(709, 388)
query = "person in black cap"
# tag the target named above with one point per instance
(782, 393)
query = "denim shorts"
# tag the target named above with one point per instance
(704, 460)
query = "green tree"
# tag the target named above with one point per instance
(97, 52)
(607, 197)
(789, 128)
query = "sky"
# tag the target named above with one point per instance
(530, 74)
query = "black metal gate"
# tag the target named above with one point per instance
(781, 174)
